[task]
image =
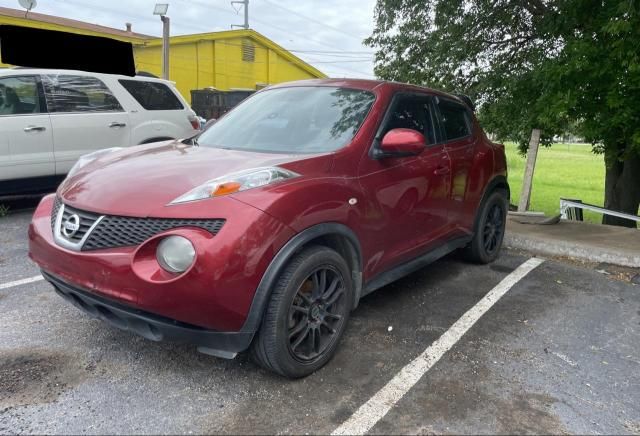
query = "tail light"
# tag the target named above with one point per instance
(195, 122)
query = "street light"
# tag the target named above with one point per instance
(161, 9)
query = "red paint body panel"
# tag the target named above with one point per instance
(398, 208)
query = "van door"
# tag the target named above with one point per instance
(26, 142)
(85, 117)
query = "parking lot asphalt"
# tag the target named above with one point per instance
(558, 353)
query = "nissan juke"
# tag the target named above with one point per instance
(263, 233)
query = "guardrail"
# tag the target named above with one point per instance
(566, 205)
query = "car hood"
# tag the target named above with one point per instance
(143, 180)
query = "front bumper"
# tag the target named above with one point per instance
(215, 294)
(150, 326)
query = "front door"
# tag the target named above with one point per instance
(85, 116)
(26, 142)
(406, 196)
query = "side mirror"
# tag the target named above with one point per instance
(402, 142)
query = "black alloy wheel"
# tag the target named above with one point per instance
(493, 229)
(315, 314)
(489, 229)
(306, 315)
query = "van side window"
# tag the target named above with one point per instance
(19, 95)
(152, 96)
(67, 93)
(455, 119)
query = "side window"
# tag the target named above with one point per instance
(66, 93)
(455, 120)
(19, 95)
(411, 112)
(152, 96)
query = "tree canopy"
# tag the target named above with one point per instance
(556, 65)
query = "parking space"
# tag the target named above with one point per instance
(557, 353)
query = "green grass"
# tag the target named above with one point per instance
(4, 210)
(563, 170)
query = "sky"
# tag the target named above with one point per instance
(328, 34)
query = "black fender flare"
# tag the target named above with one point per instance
(263, 291)
(496, 182)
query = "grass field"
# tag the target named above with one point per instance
(563, 170)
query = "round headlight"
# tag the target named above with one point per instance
(175, 254)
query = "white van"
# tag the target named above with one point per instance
(49, 118)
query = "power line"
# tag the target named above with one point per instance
(264, 23)
(286, 31)
(316, 52)
(313, 20)
(327, 52)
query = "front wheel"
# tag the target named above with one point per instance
(489, 232)
(307, 314)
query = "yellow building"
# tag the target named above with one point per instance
(234, 59)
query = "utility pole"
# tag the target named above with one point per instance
(165, 47)
(161, 10)
(245, 5)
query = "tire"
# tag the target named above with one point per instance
(489, 230)
(301, 327)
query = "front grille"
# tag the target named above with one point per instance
(54, 212)
(120, 231)
(112, 231)
(87, 219)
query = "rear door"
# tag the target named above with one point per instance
(26, 142)
(85, 117)
(455, 121)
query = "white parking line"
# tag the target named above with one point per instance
(21, 282)
(377, 407)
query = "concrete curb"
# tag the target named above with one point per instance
(607, 251)
(575, 250)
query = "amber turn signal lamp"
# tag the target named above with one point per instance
(226, 188)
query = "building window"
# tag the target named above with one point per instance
(248, 51)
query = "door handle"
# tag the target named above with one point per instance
(35, 129)
(116, 124)
(441, 171)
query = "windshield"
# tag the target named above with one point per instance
(292, 120)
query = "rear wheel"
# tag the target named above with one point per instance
(307, 314)
(489, 232)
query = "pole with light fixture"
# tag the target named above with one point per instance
(161, 9)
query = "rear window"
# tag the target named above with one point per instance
(152, 96)
(455, 119)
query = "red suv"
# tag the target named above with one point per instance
(265, 232)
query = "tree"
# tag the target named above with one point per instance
(549, 64)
